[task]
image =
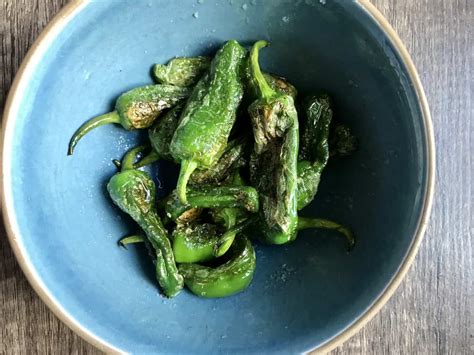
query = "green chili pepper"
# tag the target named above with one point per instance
(161, 133)
(314, 147)
(135, 109)
(187, 71)
(134, 192)
(193, 243)
(211, 197)
(273, 163)
(209, 115)
(342, 142)
(232, 159)
(277, 83)
(306, 223)
(182, 71)
(230, 278)
(226, 240)
(281, 85)
(230, 216)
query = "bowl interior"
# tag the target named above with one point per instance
(304, 293)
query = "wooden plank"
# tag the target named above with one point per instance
(432, 312)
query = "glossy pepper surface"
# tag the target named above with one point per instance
(230, 278)
(195, 242)
(134, 192)
(209, 114)
(135, 109)
(273, 163)
(181, 71)
(314, 146)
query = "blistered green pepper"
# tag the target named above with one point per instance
(277, 83)
(134, 192)
(314, 147)
(135, 109)
(195, 242)
(230, 216)
(230, 278)
(245, 197)
(161, 133)
(181, 71)
(186, 71)
(273, 163)
(233, 158)
(209, 114)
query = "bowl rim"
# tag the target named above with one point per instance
(40, 46)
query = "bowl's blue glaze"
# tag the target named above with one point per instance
(303, 294)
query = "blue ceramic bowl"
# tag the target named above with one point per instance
(306, 295)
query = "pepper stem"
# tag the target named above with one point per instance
(129, 158)
(147, 160)
(111, 117)
(306, 223)
(132, 239)
(262, 85)
(187, 168)
(226, 240)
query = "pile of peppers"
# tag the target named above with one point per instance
(251, 156)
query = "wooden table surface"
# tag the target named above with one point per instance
(432, 312)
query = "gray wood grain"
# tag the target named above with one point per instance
(432, 312)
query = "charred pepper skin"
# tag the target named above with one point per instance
(273, 163)
(209, 115)
(245, 197)
(181, 71)
(232, 159)
(314, 146)
(161, 133)
(133, 191)
(135, 109)
(230, 278)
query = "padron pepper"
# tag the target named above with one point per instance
(186, 71)
(195, 242)
(231, 217)
(232, 277)
(273, 163)
(160, 135)
(181, 71)
(134, 192)
(245, 197)
(232, 158)
(135, 109)
(278, 83)
(314, 147)
(209, 114)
